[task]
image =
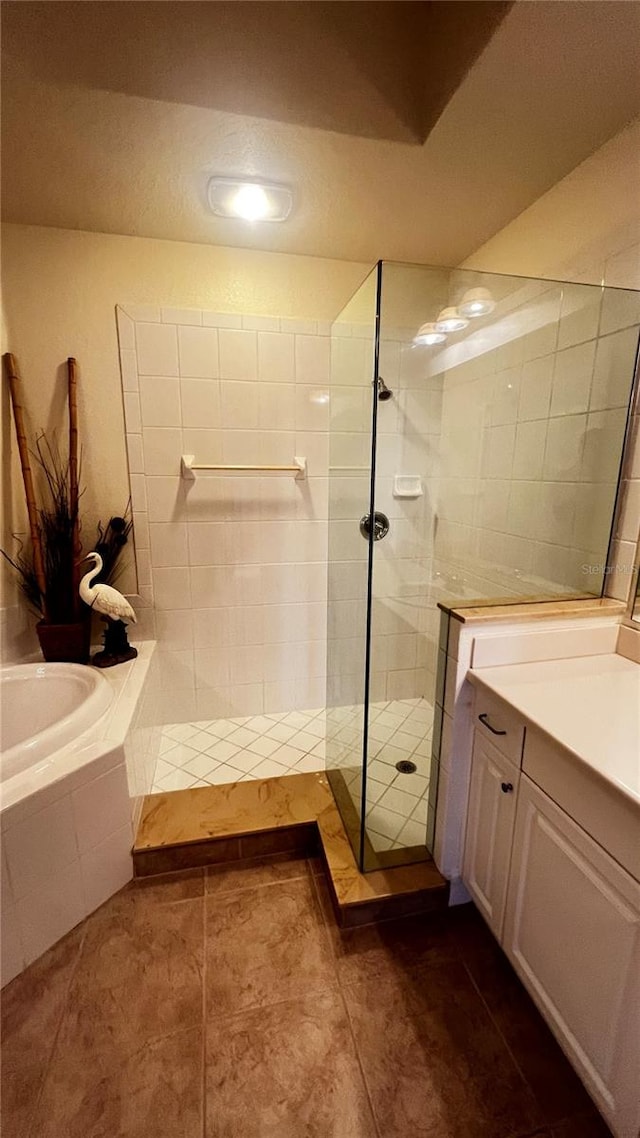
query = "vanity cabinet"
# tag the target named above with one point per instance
(572, 932)
(566, 912)
(490, 823)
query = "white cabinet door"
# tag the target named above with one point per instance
(572, 932)
(490, 821)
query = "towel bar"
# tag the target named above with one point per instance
(188, 466)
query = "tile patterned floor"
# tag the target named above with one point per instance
(396, 803)
(226, 1004)
(268, 746)
(229, 750)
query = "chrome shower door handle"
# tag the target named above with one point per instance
(380, 526)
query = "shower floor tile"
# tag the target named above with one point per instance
(261, 746)
(211, 752)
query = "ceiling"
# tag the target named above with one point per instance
(409, 131)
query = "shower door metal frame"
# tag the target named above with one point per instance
(371, 543)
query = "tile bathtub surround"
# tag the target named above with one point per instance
(160, 1006)
(63, 860)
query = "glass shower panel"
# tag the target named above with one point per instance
(489, 457)
(351, 444)
(497, 462)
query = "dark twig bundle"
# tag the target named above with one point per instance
(111, 541)
(58, 526)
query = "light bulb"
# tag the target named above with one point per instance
(250, 202)
(450, 320)
(428, 334)
(477, 302)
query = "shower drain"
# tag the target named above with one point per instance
(405, 766)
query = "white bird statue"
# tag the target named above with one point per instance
(104, 598)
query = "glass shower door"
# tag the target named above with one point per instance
(480, 466)
(352, 436)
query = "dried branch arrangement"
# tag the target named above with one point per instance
(48, 568)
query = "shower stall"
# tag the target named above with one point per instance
(477, 426)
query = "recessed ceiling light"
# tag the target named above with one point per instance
(249, 201)
(428, 334)
(477, 302)
(450, 320)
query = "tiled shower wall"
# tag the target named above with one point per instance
(408, 426)
(531, 435)
(234, 565)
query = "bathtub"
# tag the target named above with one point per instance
(46, 707)
(78, 748)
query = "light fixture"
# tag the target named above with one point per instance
(428, 334)
(477, 302)
(450, 320)
(249, 201)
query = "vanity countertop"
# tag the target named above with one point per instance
(588, 704)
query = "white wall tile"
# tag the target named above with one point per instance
(261, 323)
(211, 627)
(208, 543)
(528, 456)
(162, 450)
(100, 807)
(613, 372)
(129, 370)
(146, 313)
(200, 400)
(198, 352)
(181, 316)
(211, 667)
(204, 443)
(211, 587)
(312, 359)
(39, 846)
(169, 544)
(276, 406)
(134, 453)
(126, 330)
(172, 588)
(221, 320)
(572, 379)
(564, 448)
(107, 868)
(312, 409)
(157, 349)
(238, 354)
(166, 497)
(132, 417)
(276, 359)
(239, 408)
(50, 911)
(160, 401)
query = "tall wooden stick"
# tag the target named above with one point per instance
(72, 376)
(15, 388)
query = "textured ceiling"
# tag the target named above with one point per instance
(396, 143)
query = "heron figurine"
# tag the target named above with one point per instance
(115, 611)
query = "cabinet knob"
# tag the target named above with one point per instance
(506, 787)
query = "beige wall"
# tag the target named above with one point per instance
(60, 290)
(587, 228)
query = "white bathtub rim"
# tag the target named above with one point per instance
(89, 713)
(93, 753)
